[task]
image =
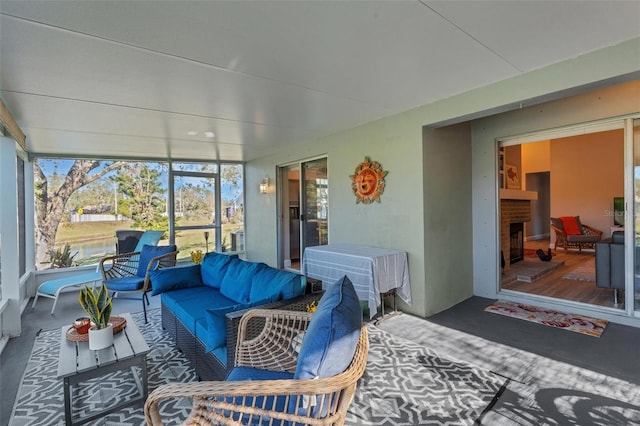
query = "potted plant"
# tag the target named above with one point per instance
(97, 303)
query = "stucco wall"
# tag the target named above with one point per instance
(615, 101)
(447, 212)
(395, 222)
(403, 219)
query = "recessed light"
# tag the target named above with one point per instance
(192, 133)
(209, 134)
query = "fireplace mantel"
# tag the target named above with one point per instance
(516, 194)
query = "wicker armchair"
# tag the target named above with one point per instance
(266, 401)
(129, 272)
(588, 239)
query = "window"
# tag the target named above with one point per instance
(208, 209)
(81, 203)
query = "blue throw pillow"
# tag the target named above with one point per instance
(149, 252)
(275, 284)
(175, 278)
(236, 284)
(214, 267)
(217, 327)
(330, 341)
(332, 336)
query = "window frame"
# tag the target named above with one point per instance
(216, 226)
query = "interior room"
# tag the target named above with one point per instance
(561, 172)
(319, 177)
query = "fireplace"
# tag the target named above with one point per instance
(516, 242)
(515, 208)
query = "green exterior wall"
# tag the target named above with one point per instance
(440, 201)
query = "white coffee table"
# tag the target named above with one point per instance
(77, 363)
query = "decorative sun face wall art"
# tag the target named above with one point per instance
(368, 181)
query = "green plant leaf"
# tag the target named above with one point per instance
(97, 303)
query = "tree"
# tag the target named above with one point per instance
(143, 196)
(51, 203)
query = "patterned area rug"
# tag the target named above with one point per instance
(572, 322)
(40, 399)
(584, 272)
(409, 384)
(404, 384)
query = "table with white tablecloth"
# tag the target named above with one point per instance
(372, 270)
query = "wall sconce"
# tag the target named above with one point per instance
(264, 185)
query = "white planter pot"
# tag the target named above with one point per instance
(100, 339)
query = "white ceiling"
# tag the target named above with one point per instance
(116, 78)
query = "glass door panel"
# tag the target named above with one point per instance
(289, 217)
(315, 203)
(636, 223)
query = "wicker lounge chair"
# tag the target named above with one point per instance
(53, 288)
(273, 348)
(129, 272)
(588, 237)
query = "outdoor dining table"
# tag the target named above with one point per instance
(372, 270)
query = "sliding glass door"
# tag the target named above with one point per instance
(303, 209)
(315, 203)
(632, 296)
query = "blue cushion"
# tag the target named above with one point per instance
(151, 238)
(330, 341)
(249, 373)
(332, 336)
(130, 283)
(173, 299)
(51, 287)
(149, 252)
(188, 311)
(176, 278)
(236, 284)
(275, 284)
(221, 354)
(214, 267)
(217, 327)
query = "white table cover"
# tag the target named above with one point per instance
(372, 270)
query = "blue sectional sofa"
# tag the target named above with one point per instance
(202, 303)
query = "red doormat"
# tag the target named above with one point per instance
(572, 322)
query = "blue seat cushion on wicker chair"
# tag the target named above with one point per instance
(176, 278)
(249, 373)
(149, 252)
(214, 267)
(130, 283)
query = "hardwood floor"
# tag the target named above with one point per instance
(553, 285)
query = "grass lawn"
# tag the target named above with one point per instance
(92, 232)
(85, 231)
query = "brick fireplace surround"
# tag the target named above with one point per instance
(511, 211)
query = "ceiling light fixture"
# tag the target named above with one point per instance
(192, 133)
(209, 134)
